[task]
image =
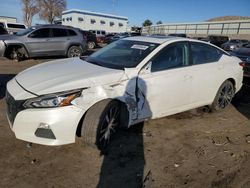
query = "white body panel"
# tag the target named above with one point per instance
(160, 93)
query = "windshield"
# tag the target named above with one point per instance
(24, 32)
(122, 54)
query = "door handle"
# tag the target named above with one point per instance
(187, 77)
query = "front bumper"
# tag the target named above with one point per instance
(46, 126)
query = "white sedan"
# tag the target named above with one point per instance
(126, 82)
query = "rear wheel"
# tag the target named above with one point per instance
(224, 96)
(100, 123)
(91, 45)
(74, 51)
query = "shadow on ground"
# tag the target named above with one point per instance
(241, 100)
(123, 165)
(4, 78)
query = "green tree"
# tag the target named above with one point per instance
(159, 22)
(147, 23)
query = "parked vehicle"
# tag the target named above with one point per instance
(126, 82)
(91, 39)
(217, 40)
(12, 28)
(118, 37)
(234, 44)
(43, 40)
(244, 54)
(3, 31)
(178, 35)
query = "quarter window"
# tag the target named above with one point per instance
(173, 56)
(204, 53)
(71, 32)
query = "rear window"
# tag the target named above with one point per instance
(204, 53)
(59, 32)
(18, 26)
(71, 32)
(1, 24)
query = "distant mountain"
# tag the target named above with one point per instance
(227, 18)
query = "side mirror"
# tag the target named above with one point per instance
(146, 69)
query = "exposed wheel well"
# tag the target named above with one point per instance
(232, 81)
(18, 47)
(124, 115)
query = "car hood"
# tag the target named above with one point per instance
(8, 37)
(66, 74)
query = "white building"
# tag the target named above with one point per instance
(8, 19)
(87, 20)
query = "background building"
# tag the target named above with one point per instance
(8, 19)
(232, 28)
(87, 20)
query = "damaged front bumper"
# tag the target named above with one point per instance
(2, 48)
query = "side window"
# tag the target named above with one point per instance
(41, 33)
(59, 32)
(71, 32)
(204, 53)
(172, 56)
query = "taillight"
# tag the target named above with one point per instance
(243, 64)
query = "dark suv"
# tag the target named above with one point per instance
(90, 37)
(43, 40)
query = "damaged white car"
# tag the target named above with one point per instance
(126, 82)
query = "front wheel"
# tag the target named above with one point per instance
(100, 123)
(74, 51)
(224, 96)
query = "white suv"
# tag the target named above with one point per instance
(126, 82)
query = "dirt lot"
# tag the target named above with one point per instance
(192, 149)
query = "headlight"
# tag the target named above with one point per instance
(53, 100)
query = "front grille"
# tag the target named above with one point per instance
(13, 106)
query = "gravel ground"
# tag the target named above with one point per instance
(191, 149)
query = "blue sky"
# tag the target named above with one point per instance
(168, 11)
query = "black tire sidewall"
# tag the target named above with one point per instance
(214, 106)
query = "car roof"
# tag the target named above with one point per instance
(152, 39)
(160, 39)
(163, 39)
(52, 26)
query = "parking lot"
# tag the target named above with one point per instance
(191, 149)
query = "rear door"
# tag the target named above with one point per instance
(60, 40)
(207, 72)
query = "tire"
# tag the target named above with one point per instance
(223, 97)
(91, 45)
(98, 125)
(74, 51)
